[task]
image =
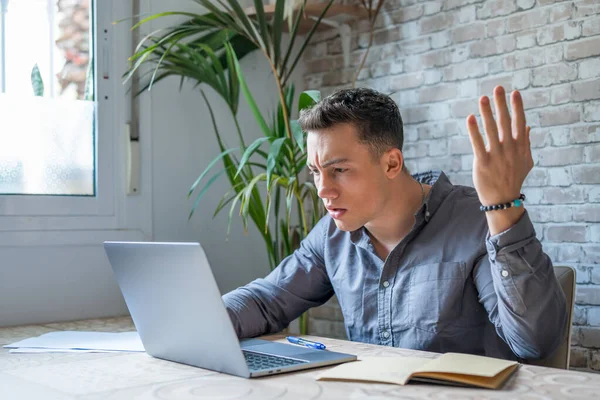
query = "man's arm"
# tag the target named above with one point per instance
(516, 282)
(300, 282)
(520, 292)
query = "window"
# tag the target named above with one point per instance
(62, 149)
(47, 110)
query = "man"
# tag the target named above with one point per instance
(415, 262)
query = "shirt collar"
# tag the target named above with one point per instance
(440, 187)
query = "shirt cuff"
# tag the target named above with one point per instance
(511, 239)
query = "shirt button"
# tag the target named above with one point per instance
(386, 334)
(386, 284)
(504, 273)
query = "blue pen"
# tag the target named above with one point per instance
(307, 343)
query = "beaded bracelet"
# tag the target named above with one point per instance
(515, 203)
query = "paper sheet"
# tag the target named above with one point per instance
(78, 340)
(49, 350)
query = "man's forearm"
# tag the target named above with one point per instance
(246, 313)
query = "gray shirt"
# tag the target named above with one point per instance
(447, 286)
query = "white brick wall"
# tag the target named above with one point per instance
(437, 57)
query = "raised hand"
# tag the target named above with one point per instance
(501, 166)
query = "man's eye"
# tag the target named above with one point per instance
(340, 170)
(313, 172)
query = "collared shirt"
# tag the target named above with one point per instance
(446, 287)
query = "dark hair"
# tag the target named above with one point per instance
(375, 115)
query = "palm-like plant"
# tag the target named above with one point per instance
(205, 48)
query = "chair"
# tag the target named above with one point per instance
(560, 358)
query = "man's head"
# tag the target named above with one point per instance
(374, 115)
(354, 152)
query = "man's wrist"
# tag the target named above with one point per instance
(502, 220)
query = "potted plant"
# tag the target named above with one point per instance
(206, 48)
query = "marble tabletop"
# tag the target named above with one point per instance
(126, 376)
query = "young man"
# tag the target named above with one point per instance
(414, 260)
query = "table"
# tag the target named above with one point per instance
(126, 376)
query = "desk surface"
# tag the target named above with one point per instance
(125, 376)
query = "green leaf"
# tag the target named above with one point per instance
(235, 200)
(288, 205)
(224, 200)
(248, 95)
(269, 202)
(245, 207)
(308, 98)
(298, 134)
(37, 82)
(273, 156)
(277, 30)
(262, 24)
(212, 163)
(160, 15)
(244, 24)
(204, 190)
(249, 151)
(234, 82)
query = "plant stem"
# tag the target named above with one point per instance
(286, 117)
(239, 132)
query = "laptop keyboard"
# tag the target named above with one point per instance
(259, 361)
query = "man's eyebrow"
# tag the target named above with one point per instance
(330, 162)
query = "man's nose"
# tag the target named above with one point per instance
(326, 189)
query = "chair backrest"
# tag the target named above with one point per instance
(560, 358)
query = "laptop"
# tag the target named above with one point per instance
(177, 309)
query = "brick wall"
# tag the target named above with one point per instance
(436, 57)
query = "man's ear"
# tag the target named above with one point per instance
(393, 162)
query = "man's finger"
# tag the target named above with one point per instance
(476, 139)
(491, 131)
(519, 122)
(503, 116)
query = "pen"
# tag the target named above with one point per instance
(304, 342)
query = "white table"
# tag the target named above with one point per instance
(127, 376)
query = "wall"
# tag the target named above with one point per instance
(437, 57)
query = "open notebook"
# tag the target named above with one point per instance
(449, 368)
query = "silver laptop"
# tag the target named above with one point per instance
(178, 312)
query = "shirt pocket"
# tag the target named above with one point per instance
(435, 295)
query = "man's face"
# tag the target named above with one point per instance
(348, 179)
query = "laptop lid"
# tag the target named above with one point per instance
(156, 280)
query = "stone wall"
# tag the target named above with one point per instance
(437, 57)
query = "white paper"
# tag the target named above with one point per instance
(49, 350)
(77, 340)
